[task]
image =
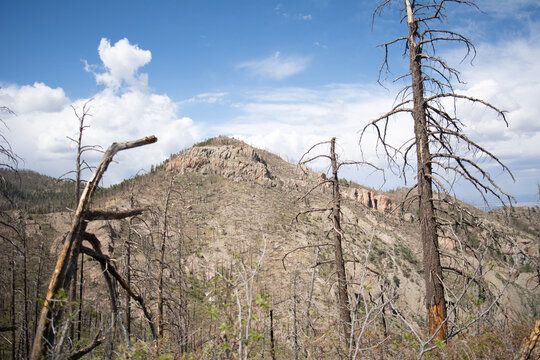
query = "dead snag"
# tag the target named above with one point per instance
(438, 145)
(66, 263)
(344, 309)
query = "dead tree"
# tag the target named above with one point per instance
(8, 159)
(335, 212)
(66, 263)
(80, 166)
(164, 239)
(335, 209)
(438, 137)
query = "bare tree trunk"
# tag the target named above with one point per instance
(38, 283)
(25, 295)
(63, 273)
(343, 295)
(183, 327)
(78, 169)
(81, 287)
(295, 319)
(164, 237)
(13, 314)
(128, 279)
(272, 342)
(435, 302)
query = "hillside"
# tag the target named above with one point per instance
(33, 192)
(242, 250)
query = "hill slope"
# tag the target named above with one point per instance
(224, 217)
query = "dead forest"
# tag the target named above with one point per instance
(227, 251)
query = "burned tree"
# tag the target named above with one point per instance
(440, 144)
(80, 166)
(45, 339)
(334, 210)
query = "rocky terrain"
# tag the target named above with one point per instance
(241, 234)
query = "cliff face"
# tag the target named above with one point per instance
(237, 163)
(378, 202)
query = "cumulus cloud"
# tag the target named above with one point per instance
(507, 75)
(121, 62)
(44, 120)
(33, 98)
(276, 67)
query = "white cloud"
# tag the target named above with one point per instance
(121, 61)
(38, 133)
(509, 8)
(276, 67)
(280, 11)
(288, 121)
(507, 74)
(208, 98)
(33, 98)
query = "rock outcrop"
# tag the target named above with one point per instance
(383, 204)
(239, 163)
(379, 202)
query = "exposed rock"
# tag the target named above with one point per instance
(238, 163)
(383, 204)
(523, 247)
(364, 197)
(350, 193)
(408, 217)
(380, 202)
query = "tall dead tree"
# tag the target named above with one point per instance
(335, 209)
(344, 308)
(80, 166)
(162, 265)
(51, 313)
(439, 141)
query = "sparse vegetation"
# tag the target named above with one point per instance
(210, 243)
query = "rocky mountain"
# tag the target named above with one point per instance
(239, 234)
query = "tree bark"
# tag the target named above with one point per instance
(164, 237)
(13, 300)
(435, 302)
(343, 295)
(128, 279)
(530, 348)
(272, 341)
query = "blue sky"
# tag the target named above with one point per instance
(280, 75)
